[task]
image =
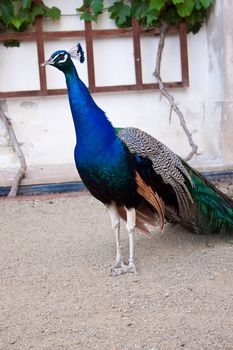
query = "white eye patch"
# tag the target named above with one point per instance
(64, 59)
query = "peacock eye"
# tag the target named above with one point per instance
(62, 58)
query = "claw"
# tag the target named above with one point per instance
(132, 268)
(119, 268)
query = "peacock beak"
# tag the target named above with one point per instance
(49, 61)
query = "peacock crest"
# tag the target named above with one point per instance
(77, 53)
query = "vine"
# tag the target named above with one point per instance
(18, 16)
(16, 146)
(150, 13)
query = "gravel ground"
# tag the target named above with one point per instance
(57, 293)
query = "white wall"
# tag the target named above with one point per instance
(44, 125)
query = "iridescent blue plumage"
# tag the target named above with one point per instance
(102, 159)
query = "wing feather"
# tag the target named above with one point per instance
(141, 220)
(163, 163)
(152, 197)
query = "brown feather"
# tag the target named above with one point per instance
(152, 197)
(145, 216)
(140, 223)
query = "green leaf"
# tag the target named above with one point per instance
(171, 16)
(80, 9)
(24, 14)
(6, 11)
(151, 20)
(197, 4)
(16, 22)
(206, 3)
(11, 43)
(196, 19)
(156, 4)
(87, 3)
(86, 16)
(175, 2)
(97, 6)
(185, 9)
(54, 13)
(120, 12)
(26, 4)
(139, 9)
(37, 10)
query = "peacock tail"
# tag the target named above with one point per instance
(190, 199)
(213, 209)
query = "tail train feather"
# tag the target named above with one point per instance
(212, 209)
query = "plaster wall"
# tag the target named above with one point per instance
(44, 125)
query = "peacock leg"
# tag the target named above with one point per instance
(130, 225)
(118, 265)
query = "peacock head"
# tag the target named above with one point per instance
(61, 59)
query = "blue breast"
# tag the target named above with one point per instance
(102, 159)
(108, 173)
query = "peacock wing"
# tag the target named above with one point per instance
(160, 168)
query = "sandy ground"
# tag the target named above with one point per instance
(57, 293)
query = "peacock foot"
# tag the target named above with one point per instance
(119, 268)
(132, 267)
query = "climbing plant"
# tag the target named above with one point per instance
(150, 13)
(18, 15)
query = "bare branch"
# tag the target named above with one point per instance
(170, 98)
(170, 114)
(22, 170)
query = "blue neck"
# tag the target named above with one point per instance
(89, 120)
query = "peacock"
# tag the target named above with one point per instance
(135, 176)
